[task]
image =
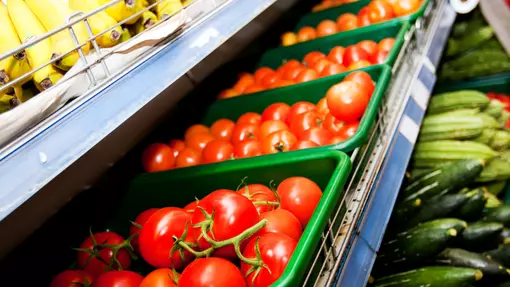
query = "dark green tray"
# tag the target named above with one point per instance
(179, 187)
(276, 57)
(312, 91)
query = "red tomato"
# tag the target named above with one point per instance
(71, 278)
(276, 111)
(306, 33)
(199, 141)
(250, 118)
(95, 266)
(347, 101)
(326, 28)
(379, 57)
(222, 129)
(333, 69)
(350, 129)
(405, 7)
(318, 135)
(362, 78)
(354, 54)
(303, 145)
(270, 79)
(195, 129)
(269, 127)
(228, 93)
(291, 64)
(253, 88)
(278, 141)
(275, 250)
(211, 272)
(336, 55)
(333, 125)
(261, 196)
(119, 279)
(292, 73)
(261, 73)
(140, 220)
(386, 44)
(300, 196)
(233, 214)
(244, 132)
(307, 75)
(305, 121)
(162, 277)
(190, 208)
(359, 65)
(322, 106)
(216, 151)
(379, 11)
(156, 238)
(247, 148)
(299, 108)
(188, 157)
(158, 157)
(347, 21)
(244, 81)
(177, 146)
(363, 18)
(337, 139)
(313, 57)
(321, 65)
(281, 221)
(369, 46)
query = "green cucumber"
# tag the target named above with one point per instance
(464, 99)
(471, 40)
(481, 235)
(485, 69)
(500, 254)
(462, 258)
(403, 211)
(494, 108)
(506, 155)
(489, 122)
(499, 214)
(501, 140)
(476, 57)
(496, 169)
(442, 223)
(492, 201)
(495, 187)
(486, 136)
(439, 207)
(503, 118)
(473, 208)
(444, 127)
(434, 276)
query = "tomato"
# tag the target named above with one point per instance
(250, 118)
(333, 125)
(333, 69)
(278, 141)
(306, 33)
(359, 65)
(258, 194)
(347, 21)
(386, 44)
(281, 221)
(140, 220)
(95, 266)
(254, 88)
(233, 214)
(270, 79)
(247, 148)
(362, 78)
(336, 55)
(307, 75)
(300, 196)
(350, 129)
(211, 272)
(190, 208)
(261, 73)
(276, 111)
(289, 39)
(363, 18)
(282, 83)
(199, 141)
(291, 64)
(379, 11)
(216, 151)
(299, 108)
(245, 131)
(177, 146)
(369, 46)
(188, 157)
(303, 145)
(321, 65)
(156, 238)
(326, 28)
(275, 250)
(158, 157)
(337, 139)
(347, 101)
(228, 93)
(222, 129)
(305, 121)
(322, 106)
(292, 73)
(162, 277)
(318, 135)
(354, 54)
(269, 127)
(71, 278)
(379, 57)
(243, 82)
(405, 7)
(195, 129)
(313, 57)
(119, 279)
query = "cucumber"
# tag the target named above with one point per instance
(504, 237)
(500, 254)
(485, 69)
(439, 207)
(436, 153)
(442, 223)
(403, 211)
(500, 141)
(473, 208)
(489, 121)
(499, 214)
(435, 276)
(496, 169)
(444, 127)
(481, 235)
(495, 187)
(476, 57)
(492, 201)
(494, 108)
(464, 99)
(445, 179)
(471, 40)
(503, 118)
(506, 155)
(486, 136)
(463, 258)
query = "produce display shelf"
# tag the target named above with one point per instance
(40, 155)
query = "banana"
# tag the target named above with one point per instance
(167, 8)
(122, 9)
(7, 102)
(99, 22)
(147, 20)
(126, 35)
(28, 27)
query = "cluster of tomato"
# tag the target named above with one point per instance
(326, 4)
(375, 12)
(314, 65)
(504, 99)
(228, 238)
(279, 128)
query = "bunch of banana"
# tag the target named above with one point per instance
(126, 35)
(28, 27)
(167, 7)
(147, 20)
(99, 23)
(122, 9)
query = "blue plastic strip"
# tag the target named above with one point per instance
(441, 35)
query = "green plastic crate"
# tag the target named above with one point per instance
(276, 57)
(313, 19)
(179, 187)
(313, 91)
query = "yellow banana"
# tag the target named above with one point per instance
(167, 8)
(54, 16)
(99, 22)
(28, 27)
(147, 20)
(7, 102)
(122, 9)
(126, 35)
(186, 2)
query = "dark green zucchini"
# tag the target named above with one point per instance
(403, 211)
(499, 214)
(495, 187)
(481, 236)
(504, 236)
(443, 223)
(436, 276)
(500, 254)
(439, 207)
(472, 210)
(463, 258)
